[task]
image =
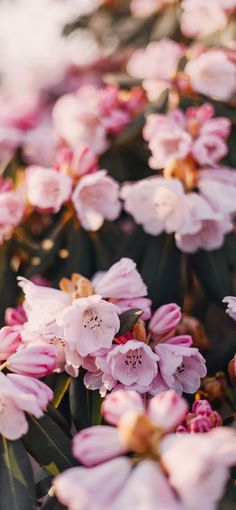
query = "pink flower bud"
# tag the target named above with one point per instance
(165, 319)
(15, 316)
(10, 340)
(201, 407)
(118, 403)
(199, 424)
(167, 409)
(37, 361)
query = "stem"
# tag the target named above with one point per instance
(4, 365)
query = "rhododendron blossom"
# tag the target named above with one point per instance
(20, 394)
(154, 478)
(212, 74)
(46, 188)
(200, 18)
(157, 72)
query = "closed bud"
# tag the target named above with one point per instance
(15, 316)
(37, 361)
(165, 320)
(10, 340)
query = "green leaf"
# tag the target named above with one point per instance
(8, 285)
(60, 388)
(128, 319)
(80, 402)
(48, 445)
(213, 273)
(161, 270)
(230, 250)
(16, 477)
(96, 408)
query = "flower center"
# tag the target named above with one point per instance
(133, 360)
(181, 368)
(91, 320)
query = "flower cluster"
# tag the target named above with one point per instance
(195, 198)
(150, 476)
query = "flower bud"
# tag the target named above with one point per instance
(37, 361)
(201, 407)
(232, 370)
(167, 410)
(118, 403)
(15, 316)
(10, 340)
(165, 320)
(199, 424)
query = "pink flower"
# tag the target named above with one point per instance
(80, 488)
(121, 281)
(118, 403)
(201, 480)
(15, 316)
(95, 198)
(19, 394)
(130, 363)
(210, 236)
(167, 140)
(46, 188)
(212, 74)
(35, 361)
(231, 306)
(200, 18)
(162, 482)
(164, 320)
(90, 324)
(175, 135)
(10, 339)
(97, 444)
(181, 366)
(12, 208)
(218, 187)
(42, 304)
(143, 8)
(155, 203)
(143, 304)
(157, 72)
(77, 120)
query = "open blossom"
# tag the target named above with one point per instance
(176, 135)
(212, 74)
(95, 198)
(90, 324)
(157, 483)
(181, 366)
(20, 394)
(162, 203)
(200, 18)
(46, 188)
(87, 117)
(131, 363)
(210, 236)
(156, 71)
(151, 364)
(122, 280)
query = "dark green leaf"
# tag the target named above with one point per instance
(8, 285)
(80, 402)
(162, 269)
(60, 388)
(213, 273)
(48, 445)
(128, 319)
(16, 477)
